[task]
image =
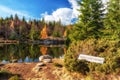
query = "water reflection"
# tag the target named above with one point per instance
(43, 50)
(28, 52)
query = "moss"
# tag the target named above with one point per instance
(14, 78)
(5, 73)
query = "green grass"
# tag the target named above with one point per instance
(5, 74)
(14, 78)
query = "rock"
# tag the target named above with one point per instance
(36, 69)
(14, 60)
(45, 58)
(40, 64)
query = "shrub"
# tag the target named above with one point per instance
(89, 77)
(14, 78)
(73, 64)
(108, 49)
(5, 73)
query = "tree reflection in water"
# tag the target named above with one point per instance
(27, 52)
(43, 50)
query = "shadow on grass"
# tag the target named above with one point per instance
(6, 75)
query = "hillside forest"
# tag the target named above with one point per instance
(13, 28)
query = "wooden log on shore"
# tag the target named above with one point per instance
(9, 41)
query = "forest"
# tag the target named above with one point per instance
(13, 28)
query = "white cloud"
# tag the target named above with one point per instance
(66, 15)
(6, 11)
(75, 7)
(105, 1)
(105, 5)
(63, 14)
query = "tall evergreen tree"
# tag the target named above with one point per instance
(112, 20)
(11, 17)
(32, 32)
(90, 20)
(16, 17)
(23, 19)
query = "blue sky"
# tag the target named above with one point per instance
(35, 7)
(50, 10)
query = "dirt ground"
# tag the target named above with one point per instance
(25, 71)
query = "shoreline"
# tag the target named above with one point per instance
(26, 71)
(9, 41)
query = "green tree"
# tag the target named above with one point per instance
(90, 20)
(20, 31)
(11, 17)
(32, 32)
(12, 35)
(112, 20)
(56, 34)
(23, 19)
(16, 17)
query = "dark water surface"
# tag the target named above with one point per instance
(28, 52)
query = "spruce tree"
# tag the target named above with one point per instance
(112, 20)
(90, 20)
(32, 31)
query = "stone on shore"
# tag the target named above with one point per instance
(38, 67)
(40, 64)
(45, 58)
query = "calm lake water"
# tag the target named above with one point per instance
(28, 52)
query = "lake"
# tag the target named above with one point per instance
(28, 52)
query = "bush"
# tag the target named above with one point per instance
(108, 49)
(73, 64)
(89, 77)
(14, 78)
(5, 73)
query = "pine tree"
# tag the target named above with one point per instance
(16, 17)
(23, 19)
(11, 17)
(112, 20)
(32, 32)
(90, 20)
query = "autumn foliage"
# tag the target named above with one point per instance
(43, 50)
(14, 28)
(44, 32)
